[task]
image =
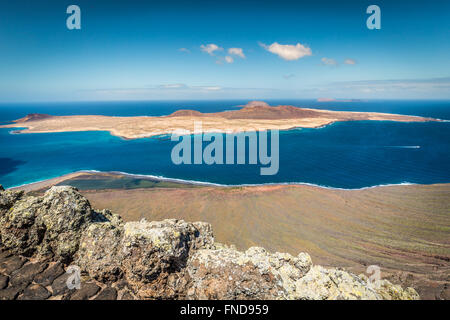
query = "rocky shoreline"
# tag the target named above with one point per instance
(41, 236)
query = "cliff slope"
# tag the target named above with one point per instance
(171, 259)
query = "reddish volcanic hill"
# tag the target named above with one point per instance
(187, 113)
(255, 112)
(33, 117)
(268, 112)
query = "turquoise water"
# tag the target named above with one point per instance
(341, 155)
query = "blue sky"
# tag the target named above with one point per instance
(153, 50)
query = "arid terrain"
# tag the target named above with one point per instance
(403, 229)
(45, 238)
(249, 118)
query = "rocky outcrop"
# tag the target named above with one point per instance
(48, 225)
(170, 259)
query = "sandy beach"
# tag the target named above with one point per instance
(49, 182)
(249, 118)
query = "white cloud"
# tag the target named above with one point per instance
(210, 88)
(172, 86)
(350, 61)
(226, 59)
(329, 61)
(210, 48)
(237, 51)
(435, 88)
(401, 85)
(184, 50)
(289, 76)
(288, 51)
(182, 86)
(229, 59)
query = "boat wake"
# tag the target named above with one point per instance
(404, 147)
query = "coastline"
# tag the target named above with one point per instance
(36, 185)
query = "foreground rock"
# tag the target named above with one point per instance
(171, 259)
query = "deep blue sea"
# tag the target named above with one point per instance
(342, 155)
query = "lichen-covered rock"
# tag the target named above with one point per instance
(154, 253)
(99, 248)
(149, 254)
(389, 291)
(107, 216)
(226, 273)
(48, 225)
(65, 214)
(333, 284)
(229, 274)
(152, 248)
(203, 237)
(18, 230)
(8, 198)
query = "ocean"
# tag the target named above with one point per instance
(347, 155)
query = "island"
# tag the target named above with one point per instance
(251, 117)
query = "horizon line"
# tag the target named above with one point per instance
(347, 100)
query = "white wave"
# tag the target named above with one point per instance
(197, 182)
(162, 178)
